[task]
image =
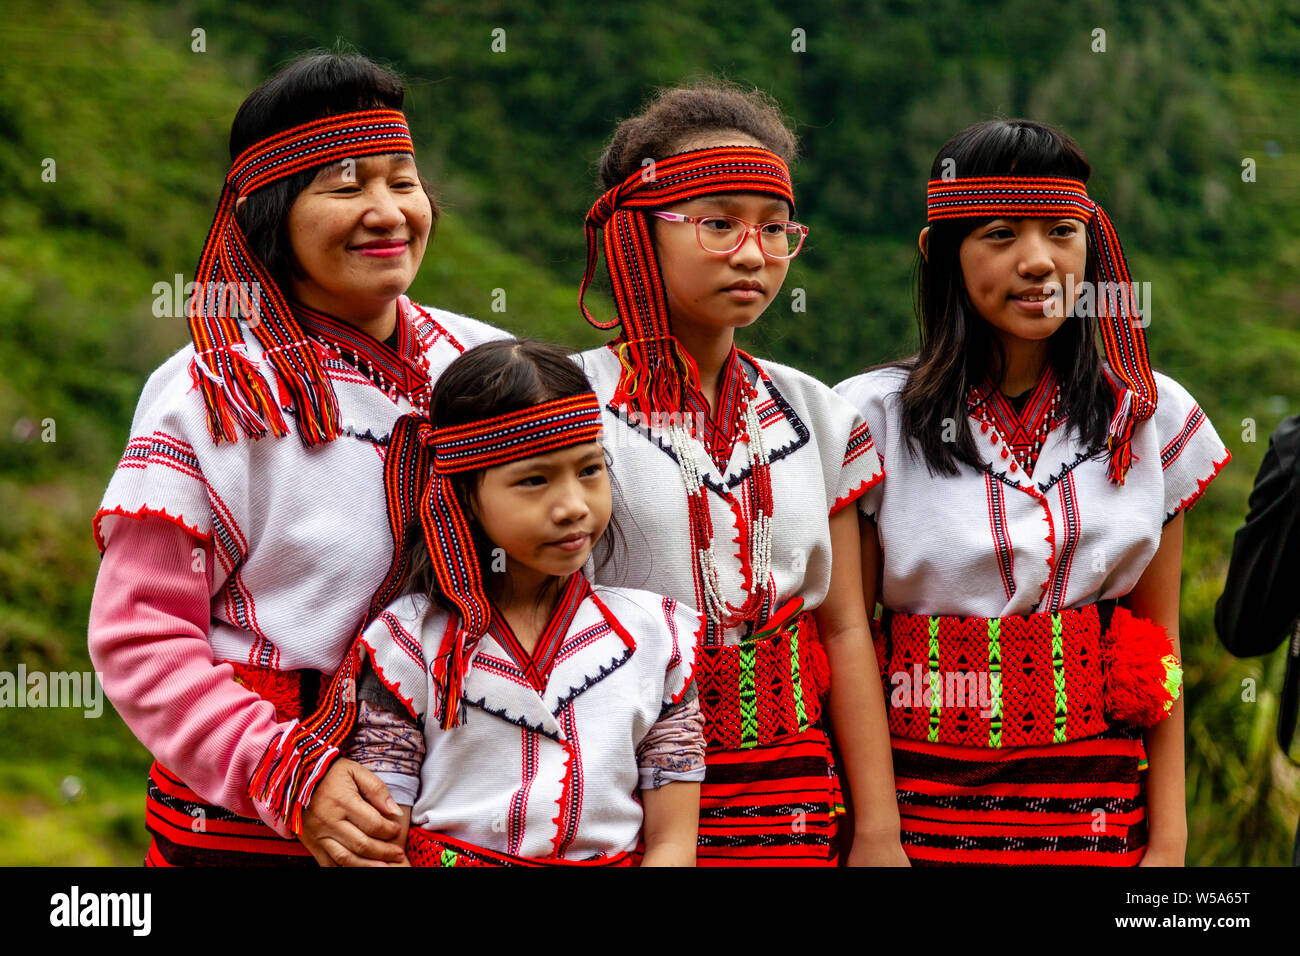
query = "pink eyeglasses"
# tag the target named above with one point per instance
(723, 235)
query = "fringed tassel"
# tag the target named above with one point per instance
(303, 377)
(235, 394)
(287, 775)
(654, 371)
(449, 678)
(1143, 675)
(1119, 439)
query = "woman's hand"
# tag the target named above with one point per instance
(352, 820)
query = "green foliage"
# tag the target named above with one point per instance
(136, 121)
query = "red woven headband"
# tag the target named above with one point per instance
(233, 389)
(538, 430)
(651, 378)
(1121, 329)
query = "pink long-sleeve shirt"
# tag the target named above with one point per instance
(148, 640)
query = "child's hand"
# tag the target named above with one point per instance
(1164, 856)
(877, 850)
(352, 820)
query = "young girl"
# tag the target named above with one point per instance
(514, 710)
(737, 476)
(251, 486)
(1028, 543)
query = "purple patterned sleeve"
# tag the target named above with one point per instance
(673, 750)
(390, 746)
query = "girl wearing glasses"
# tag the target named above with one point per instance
(745, 472)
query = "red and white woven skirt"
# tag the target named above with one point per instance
(1021, 766)
(771, 795)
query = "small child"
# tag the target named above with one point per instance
(514, 710)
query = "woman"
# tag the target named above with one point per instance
(245, 532)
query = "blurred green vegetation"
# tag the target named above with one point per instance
(135, 120)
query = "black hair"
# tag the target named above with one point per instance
(493, 379)
(314, 85)
(958, 348)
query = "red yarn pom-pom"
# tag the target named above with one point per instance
(1143, 676)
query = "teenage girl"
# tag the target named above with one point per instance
(519, 715)
(1028, 542)
(738, 474)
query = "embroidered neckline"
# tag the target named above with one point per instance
(400, 371)
(723, 424)
(1021, 434)
(538, 665)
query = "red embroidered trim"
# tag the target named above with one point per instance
(613, 622)
(435, 329)
(863, 487)
(1171, 452)
(669, 607)
(394, 687)
(537, 666)
(143, 512)
(721, 427)
(563, 819)
(1202, 484)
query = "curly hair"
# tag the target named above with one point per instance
(678, 113)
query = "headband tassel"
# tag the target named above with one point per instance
(1119, 439)
(1118, 315)
(654, 374)
(237, 396)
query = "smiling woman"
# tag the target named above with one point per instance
(358, 233)
(245, 532)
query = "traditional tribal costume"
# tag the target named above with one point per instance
(268, 555)
(730, 512)
(517, 757)
(1018, 690)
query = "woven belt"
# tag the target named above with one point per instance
(1025, 680)
(764, 689)
(424, 848)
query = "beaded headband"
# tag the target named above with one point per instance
(538, 430)
(1120, 320)
(652, 375)
(233, 389)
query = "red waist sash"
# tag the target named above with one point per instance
(767, 688)
(424, 848)
(1025, 680)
